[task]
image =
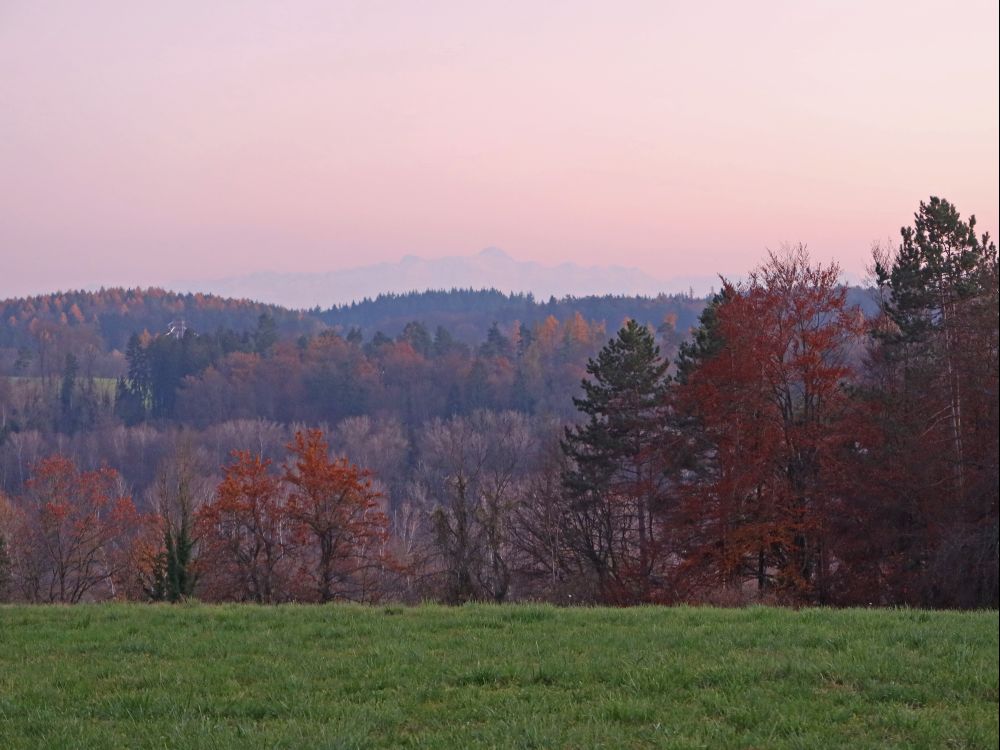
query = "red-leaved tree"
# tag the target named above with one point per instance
(766, 404)
(245, 536)
(338, 520)
(74, 534)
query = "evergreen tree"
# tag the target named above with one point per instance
(934, 382)
(138, 368)
(706, 341)
(524, 339)
(616, 481)
(266, 334)
(416, 335)
(939, 264)
(355, 336)
(134, 392)
(379, 340)
(496, 344)
(67, 393)
(477, 389)
(521, 398)
(445, 343)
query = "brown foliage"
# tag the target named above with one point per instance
(245, 535)
(314, 533)
(74, 535)
(338, 520)
(772, 421)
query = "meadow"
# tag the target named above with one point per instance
(199, 676)
(25, 386)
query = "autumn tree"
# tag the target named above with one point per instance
(763, 390)
(245, 535)
(74, 533)
(332, 505)
(616, 480)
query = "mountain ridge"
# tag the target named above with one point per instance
(490, 268)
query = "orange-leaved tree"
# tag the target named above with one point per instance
(74, 534)
(764, 394)
(245, 536)
(338, 520)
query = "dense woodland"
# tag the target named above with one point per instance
(787, 440)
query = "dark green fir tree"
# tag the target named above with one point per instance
(616, 480)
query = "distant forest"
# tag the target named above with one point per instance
(110, 316)
(106, 319)
(787, 439)
(196, 360)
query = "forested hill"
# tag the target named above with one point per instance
(468, 314)
(113, 315)
(110, 316)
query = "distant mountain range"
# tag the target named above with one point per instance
(491, 268)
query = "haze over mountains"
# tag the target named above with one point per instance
(490, 268)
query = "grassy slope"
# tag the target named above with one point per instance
(20, 384)
(516, 676)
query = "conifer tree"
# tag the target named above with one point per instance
(616, 482)
(266, 335)
(934, 371)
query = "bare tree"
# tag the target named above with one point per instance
(470, 481)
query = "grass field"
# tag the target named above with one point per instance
(105, 387)
(480, 676)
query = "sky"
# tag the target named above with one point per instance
(142, 142)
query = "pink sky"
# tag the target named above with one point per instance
(142, 142)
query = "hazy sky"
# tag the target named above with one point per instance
(147, 141)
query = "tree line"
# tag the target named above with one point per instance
(792, 449)
(66, 379)
(36, 332)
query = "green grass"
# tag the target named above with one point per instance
(104, 387)
(481, 676)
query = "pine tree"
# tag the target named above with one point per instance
(134, 392)
(266, 335)
(617, 483)
(496, 344)
(67, 394)
(417, 336)
(935, 373)
(940, 274)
